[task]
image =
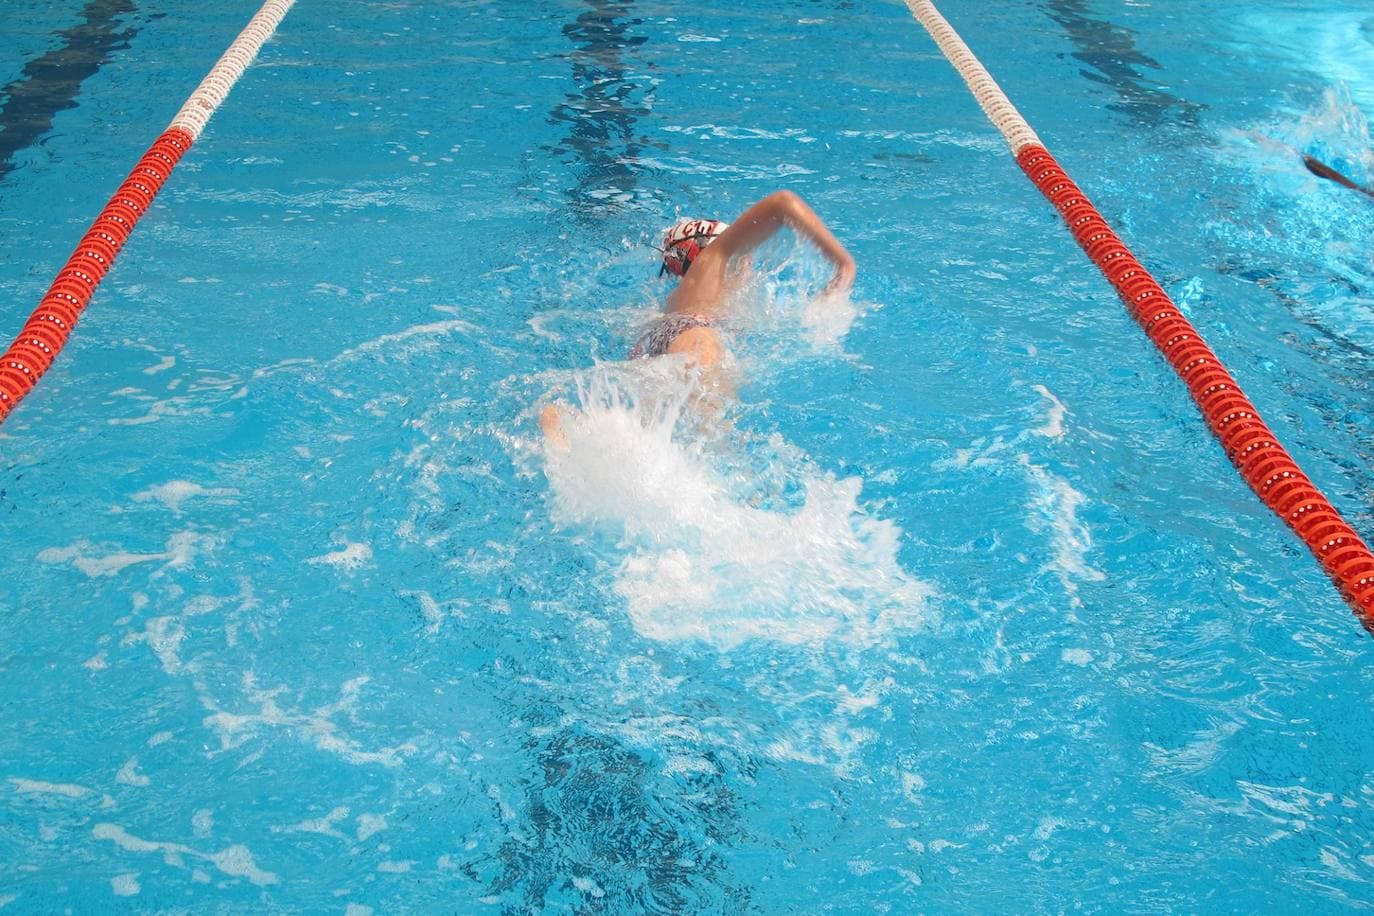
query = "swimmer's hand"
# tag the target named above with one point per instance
(843, 280)
(758, 224)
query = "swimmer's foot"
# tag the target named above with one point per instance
(551, 422)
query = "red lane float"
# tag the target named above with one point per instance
(48, 328)
(1249, 443)
(51, 323)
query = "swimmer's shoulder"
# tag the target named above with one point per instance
(703, 288)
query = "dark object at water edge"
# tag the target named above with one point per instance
(1322, 170)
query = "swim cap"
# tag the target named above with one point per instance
(683, 242)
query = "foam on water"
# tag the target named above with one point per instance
(1052, 501)
(1054, 509)
(350, 557)
(182, 548)
(317, 727)
(125, 885)
(234, 861)
(176, 492)
(42, 787)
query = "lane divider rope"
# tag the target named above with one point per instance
(51, 324)
(1249, 443)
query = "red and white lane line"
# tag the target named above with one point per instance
(1249, 443)
(48, 328)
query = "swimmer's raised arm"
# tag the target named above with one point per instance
(785, 208)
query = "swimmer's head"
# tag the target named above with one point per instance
(683, 242)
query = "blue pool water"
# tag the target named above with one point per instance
(962, 610)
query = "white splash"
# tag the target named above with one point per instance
(94, 567)
(703, 561)
(826, 320)
(588, 886)
(433, 613)
(430, 335)
(1053, 502)
(202, 822)
(777, 300)
(1336, 131)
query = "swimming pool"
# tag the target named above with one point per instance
(968, 611)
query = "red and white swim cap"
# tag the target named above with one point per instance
(683, 242)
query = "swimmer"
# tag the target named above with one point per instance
(712, 259)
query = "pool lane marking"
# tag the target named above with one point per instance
(50, 325)
(1249, 443)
